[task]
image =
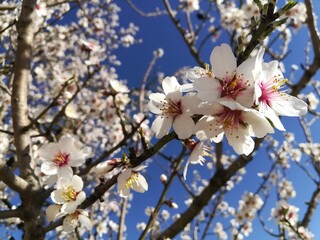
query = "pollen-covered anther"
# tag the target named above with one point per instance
(61, 159)
(132, 179)
(69, 194)
(172, 108)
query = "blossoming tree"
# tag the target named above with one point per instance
(78, 144)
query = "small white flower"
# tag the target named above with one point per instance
(69, 193)
(71, 111)
(229, 82)
(71, 221)
(173, 109)
(130, 178)
(60, 157)
(107, 166)
(271, 98)
(198, 151)
(239, 124)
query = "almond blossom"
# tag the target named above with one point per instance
(130, 178)
(173, 109)
(227, 81)
(69, 193)
(270, 97)
(198, 151)
(71, 221)
(60, 157)
(237, 122)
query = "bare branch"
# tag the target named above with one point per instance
(216, 182)
(14, 182)
(312, 204)
(13, 213)
(157, 12)
(313, 29)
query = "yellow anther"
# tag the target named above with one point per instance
(131, 180)
(69, 194)
(279, 83)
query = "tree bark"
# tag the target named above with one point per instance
(31, 200)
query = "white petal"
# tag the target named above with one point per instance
(52, 211)
(63, 181)
(56, 196)
(81, 197)
(272, 116)
(170, 84)
(49, 168)
(209, 89)
(77, 159)
(85, 221)
(161, 125)
(258, 125)
(241, 142)
(246, 97)
(184, 126)
(185, 170)
(141, 185)
(223, 61)
(290, 106)
(48, 151)
(189, 103)
(65, 171)
(188, 87)
(123, 190)
(77, 183)
(69, 207)
(70, 223)
(156, 102)
(66, 143)
(207, 126)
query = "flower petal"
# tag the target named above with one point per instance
(290, 106)
(77, 183)
(209, 89)
(170, 84)
(161, 125)
(240, 141)
(184, 126)
(49, 168)
(223, 61)
(258, 125)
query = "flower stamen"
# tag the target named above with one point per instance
(69, 194)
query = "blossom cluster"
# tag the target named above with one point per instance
(240, 102)
(58, 160)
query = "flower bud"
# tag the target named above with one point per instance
(163, 178)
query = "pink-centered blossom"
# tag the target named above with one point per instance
(271, 98)
(227, 81)
(61, 157)
(238, 123)
(173, 109)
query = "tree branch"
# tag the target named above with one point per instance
(312, 204)
(13, 213)
(14, 182)
(216, 182)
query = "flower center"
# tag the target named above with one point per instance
(69, 194)
(231, 87)
(132, 179)
(61, 159)
(172, 108)
(272, 90)
(230, 119)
